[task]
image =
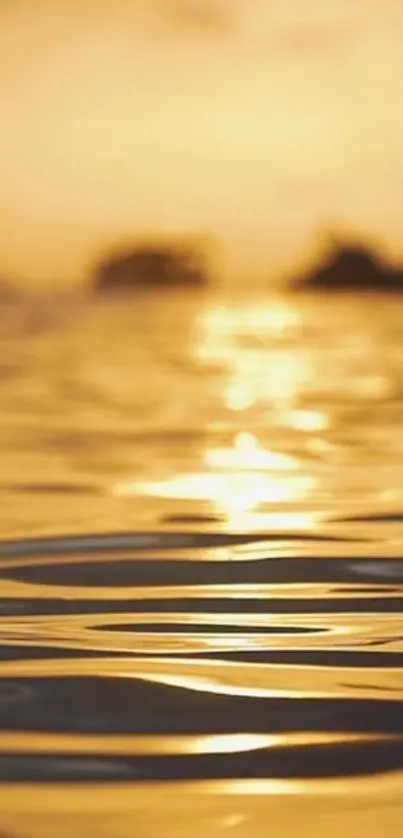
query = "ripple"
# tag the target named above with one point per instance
(173, 664)
(152, 541)
(309, 761)
(87, 576)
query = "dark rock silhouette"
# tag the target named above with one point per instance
(353, 268)
(150, 266)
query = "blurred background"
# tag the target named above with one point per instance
(252, 123)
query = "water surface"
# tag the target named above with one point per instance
(201, 572)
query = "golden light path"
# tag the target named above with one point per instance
(247, 473)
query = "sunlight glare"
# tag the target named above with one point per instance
(248, 454)
(308, 420)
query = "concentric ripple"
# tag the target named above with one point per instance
(201, 572)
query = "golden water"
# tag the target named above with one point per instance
(201, 572)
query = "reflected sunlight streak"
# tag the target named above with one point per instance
(261, 370)
(248, 454)
(271, 373)
(233, 493)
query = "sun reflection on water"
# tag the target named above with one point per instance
(247, 453)
(252, 342)
(262, 374)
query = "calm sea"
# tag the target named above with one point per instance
(201, 571)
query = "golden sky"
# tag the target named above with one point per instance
(253, 120)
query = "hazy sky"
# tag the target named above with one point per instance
(255, 120)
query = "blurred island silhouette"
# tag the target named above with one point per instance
(159, 266)
(345, 266)
(350, 267)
